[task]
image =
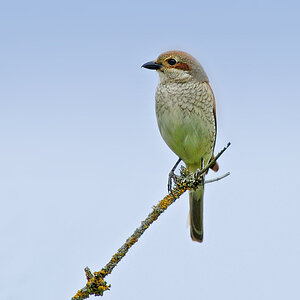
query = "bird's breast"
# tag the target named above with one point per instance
(186, 120)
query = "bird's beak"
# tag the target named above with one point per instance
(152, 65)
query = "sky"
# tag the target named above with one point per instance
(82, 161)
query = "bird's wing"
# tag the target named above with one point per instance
(215, 167)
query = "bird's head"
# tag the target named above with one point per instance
(177, 66)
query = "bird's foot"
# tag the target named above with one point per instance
(198, 175)
(172, 176)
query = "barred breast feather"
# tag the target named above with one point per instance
(186, 120)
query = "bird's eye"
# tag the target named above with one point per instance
(171, 61)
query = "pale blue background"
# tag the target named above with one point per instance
(82, 161)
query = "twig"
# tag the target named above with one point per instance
(96, 284)
(217, 178)
(215, 159)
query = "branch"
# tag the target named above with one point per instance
(186, 181)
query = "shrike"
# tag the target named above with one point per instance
(186, 117)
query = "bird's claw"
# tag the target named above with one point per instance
(173, 176)
(198, 175)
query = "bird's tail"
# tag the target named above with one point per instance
(196, 213)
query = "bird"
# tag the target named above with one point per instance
(186, 116)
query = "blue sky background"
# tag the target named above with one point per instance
(82, 161)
